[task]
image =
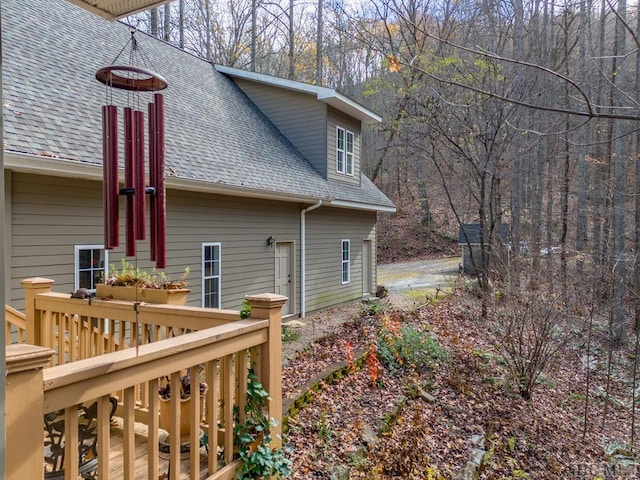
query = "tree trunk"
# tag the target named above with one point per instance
(619, 268)
(319, 43)
(167, 23)
(153, 15)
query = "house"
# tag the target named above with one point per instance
(470, 237)
(263, 175)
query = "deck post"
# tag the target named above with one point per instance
(25, 410)
(269, 306)
(33, 286)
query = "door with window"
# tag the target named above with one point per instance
(284, 273)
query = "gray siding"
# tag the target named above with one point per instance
(300, 118)
(326, 228)
(338, 119)
(50, 215)
(46, 222)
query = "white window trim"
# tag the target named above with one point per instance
(347, 262)
(76, 262)
(219, 276)
(348, 157)
(341, 150)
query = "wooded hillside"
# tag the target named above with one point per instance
(514, 112)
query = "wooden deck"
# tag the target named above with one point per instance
(116, 453)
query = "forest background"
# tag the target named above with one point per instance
(514, 112)
(494, 111)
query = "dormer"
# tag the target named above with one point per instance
(324, 125)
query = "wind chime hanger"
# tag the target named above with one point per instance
(131, 77)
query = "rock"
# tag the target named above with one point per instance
(369, 437)
(477, 456)
(469, 472)
(426, 396)
(340, 472)
(478, 440)
(381, 291)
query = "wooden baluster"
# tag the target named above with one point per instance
(174, 438)
(242, 372)
(128, 433)
(74, 347)
(153, 440)
(104, 437)
(194, 422)
(71, 443)
(227, 400)
(213, 413)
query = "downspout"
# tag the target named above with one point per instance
(303, 256)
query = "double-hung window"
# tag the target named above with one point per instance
(346, 261)
(211, 275)
(344, 151)
(349, 154)
(90, 266)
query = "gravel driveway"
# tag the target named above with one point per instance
(408, 283)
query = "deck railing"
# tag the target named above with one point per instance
(219, 350)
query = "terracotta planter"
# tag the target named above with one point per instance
(149, 295)
(185, 407)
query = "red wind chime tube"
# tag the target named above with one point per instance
(140, 194)
(153, 224)
(160, 197)
(130, 179)
(110, 175)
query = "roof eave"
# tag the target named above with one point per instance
(323, 94)
(42, 165)
(116, 9)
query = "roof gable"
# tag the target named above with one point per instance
(327, 95)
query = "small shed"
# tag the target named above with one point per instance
(469, 239)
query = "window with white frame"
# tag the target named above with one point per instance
(211, 275)
(90, 266)
(349, 154)
(346, 261)
(344, 151)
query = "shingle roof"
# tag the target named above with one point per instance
(214, 133)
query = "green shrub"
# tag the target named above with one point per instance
(409, 347)
(289, 335)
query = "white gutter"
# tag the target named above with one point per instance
(303, 256)
(43, 165)
(362, 206)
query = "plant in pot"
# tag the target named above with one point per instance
(133, 284)
(165, 393)
(253, 437)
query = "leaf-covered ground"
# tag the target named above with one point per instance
(543, 438)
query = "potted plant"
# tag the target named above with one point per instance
(165, 393)
(133, 284)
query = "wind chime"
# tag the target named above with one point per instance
(136, 80)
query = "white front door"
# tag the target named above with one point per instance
(284, 279)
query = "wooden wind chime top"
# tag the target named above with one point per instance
(135, 79)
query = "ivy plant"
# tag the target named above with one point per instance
(253, 437)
